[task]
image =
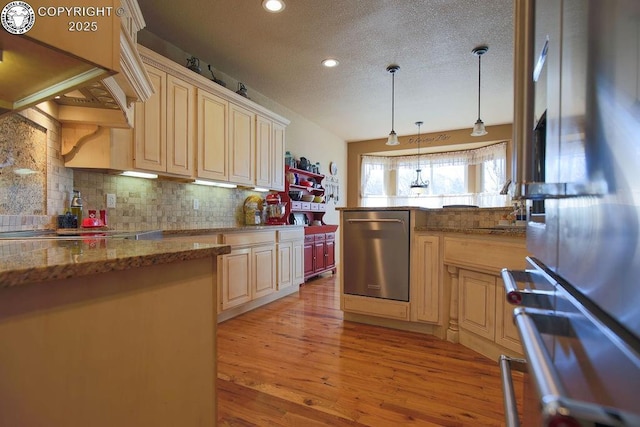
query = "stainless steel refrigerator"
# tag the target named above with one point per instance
(577, 139)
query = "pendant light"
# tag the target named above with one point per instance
(393, 138)
(419, 186)
(478, 128)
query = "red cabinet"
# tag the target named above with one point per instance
(319, 251)
(309, 255)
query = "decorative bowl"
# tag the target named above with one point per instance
(308, 198)
(295, 195)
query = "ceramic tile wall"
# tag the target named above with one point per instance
(140, 203)
(143, 204)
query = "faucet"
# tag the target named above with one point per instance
(505, 187)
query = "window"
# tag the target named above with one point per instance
(457, 177)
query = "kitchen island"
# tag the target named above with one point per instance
(104, 332)
(455, 291)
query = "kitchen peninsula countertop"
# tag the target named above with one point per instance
(37, 260)
(494, 231)
(209, 231)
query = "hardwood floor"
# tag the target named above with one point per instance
(295, 362)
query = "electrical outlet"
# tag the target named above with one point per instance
(196, 204)
(111, 200)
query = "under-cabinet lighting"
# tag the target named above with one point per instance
(136, 174)
(260, 189)
(273, 6)
(214, 184)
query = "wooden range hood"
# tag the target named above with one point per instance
(93, 76)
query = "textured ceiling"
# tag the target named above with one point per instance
(279, 55)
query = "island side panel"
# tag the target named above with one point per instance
(134, 347)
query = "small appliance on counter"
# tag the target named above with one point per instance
(253, 210)
(275, 209)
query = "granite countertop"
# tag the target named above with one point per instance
(493, 231)
(206, 231)
(36, 260)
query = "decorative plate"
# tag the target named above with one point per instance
(333, 168)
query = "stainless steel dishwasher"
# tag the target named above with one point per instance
(376, 253)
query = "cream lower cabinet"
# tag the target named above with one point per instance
(426, 290)
(484, 311)
(480, 317)
(235, 280)
(249, 271)
(164, 130)
(290, 258)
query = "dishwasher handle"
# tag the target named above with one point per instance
(376, 220)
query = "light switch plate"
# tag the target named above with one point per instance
(111, 200)
(196, 204)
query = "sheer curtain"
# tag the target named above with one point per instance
(386, 180)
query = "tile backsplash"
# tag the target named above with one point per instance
(140, 203)
(159, 204)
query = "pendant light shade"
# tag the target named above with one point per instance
(478, 127)
(418, 186)
(393, 138)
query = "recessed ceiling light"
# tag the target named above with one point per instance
(273, 5)
(330, 62)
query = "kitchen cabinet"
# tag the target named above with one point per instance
(319, 253)
(242, 150)
(426, 284)
(235, 269)
(269, 154)
(290, 257)
(309, 255)
(480, 317)
(212, 149)
(191, 127)
(249, 271)
(164, 129)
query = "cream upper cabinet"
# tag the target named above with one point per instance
(242, 153)
(165, 126)
(277, 157)
(264, 140)
(269, 154)
(212, 152)
(189, 127)
(150, 122)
